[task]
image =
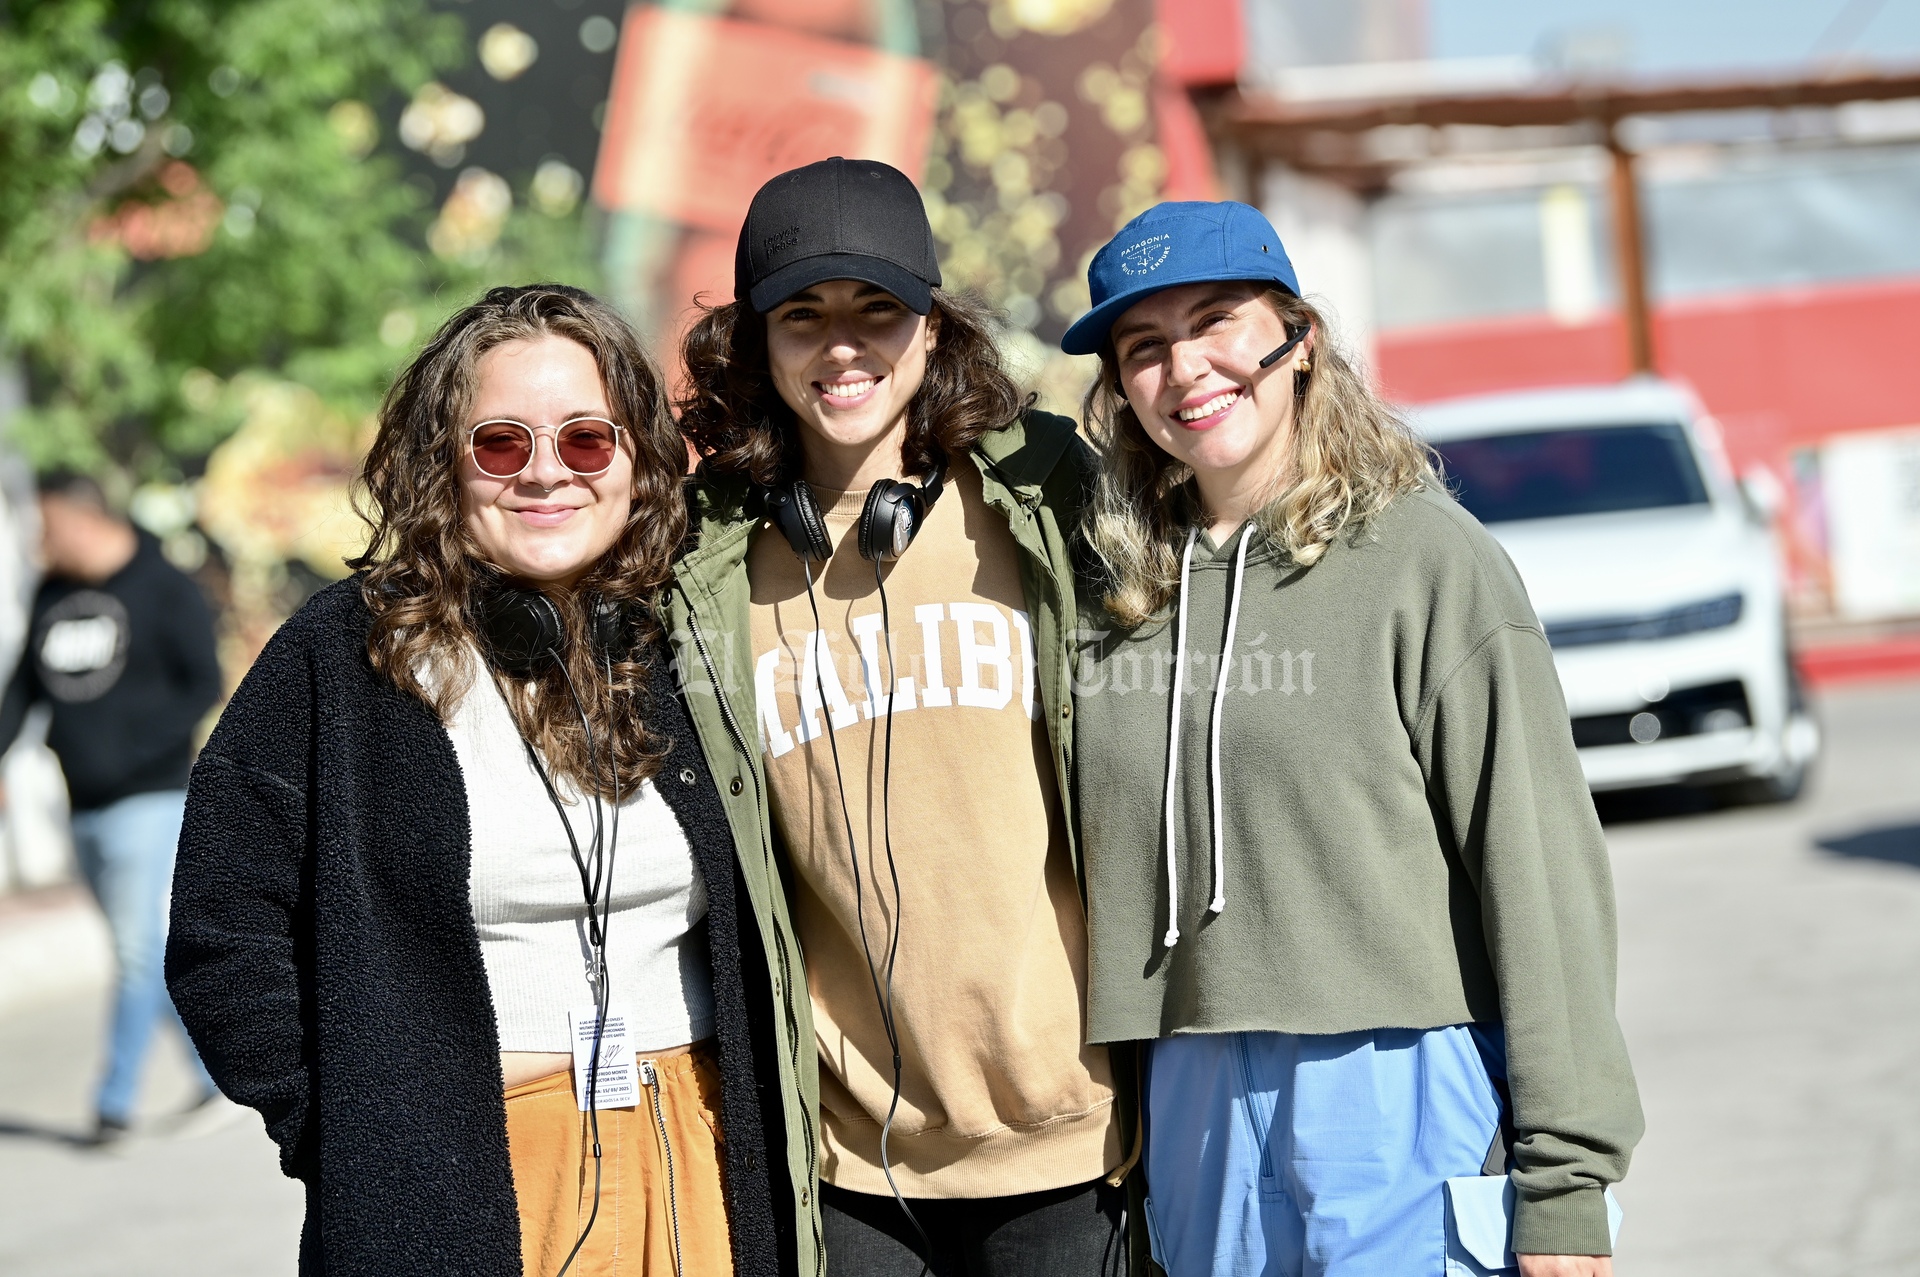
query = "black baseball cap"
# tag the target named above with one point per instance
(837, 219)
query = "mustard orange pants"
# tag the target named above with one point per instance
(662, 1209)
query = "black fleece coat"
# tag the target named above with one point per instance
(324, 958)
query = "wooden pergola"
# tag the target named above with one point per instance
(1333, 137)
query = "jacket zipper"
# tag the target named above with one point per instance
(786, 972)
(650, 1078)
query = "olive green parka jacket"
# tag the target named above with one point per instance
(1036, 472)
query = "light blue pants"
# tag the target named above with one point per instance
(126, 851)
(1280, 1155)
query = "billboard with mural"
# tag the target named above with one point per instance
(1028, 123)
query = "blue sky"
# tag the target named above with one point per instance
(1678, 35)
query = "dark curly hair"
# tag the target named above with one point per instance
(423, 571)
(740, 425)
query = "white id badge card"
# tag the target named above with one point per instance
(616, 1086)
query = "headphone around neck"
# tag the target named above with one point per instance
(890, 519)
(522, 629)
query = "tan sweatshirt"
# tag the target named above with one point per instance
(999, 1093)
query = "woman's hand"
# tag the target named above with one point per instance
(1566, 1265)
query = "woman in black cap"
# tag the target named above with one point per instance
(899, 725)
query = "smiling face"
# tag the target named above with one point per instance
(848, 358)
(547, 526)
(1189, 361)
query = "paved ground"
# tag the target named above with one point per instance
(215, 1206)
(1768, 989)
(1770, 992)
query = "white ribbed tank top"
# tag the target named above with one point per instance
(530, 910)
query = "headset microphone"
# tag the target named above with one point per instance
(1281, 352)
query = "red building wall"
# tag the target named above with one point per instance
(1780, 369)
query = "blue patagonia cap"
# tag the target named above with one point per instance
(1190, 242)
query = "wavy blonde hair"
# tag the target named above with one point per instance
(1352, 455)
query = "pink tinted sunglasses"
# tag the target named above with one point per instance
(504, 449)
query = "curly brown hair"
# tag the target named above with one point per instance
(737, 420)
(423, 572)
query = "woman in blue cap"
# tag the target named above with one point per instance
(1344, 874)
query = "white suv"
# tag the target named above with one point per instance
(1658, 583)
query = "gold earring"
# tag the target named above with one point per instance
(1306, 365)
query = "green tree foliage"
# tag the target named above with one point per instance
(248, 132)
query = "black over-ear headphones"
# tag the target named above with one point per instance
(889, 521)
(522, 629)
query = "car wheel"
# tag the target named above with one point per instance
(1799, 746)
(1782, 786)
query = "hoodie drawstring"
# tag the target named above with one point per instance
(1173, 740)
(1219, 901)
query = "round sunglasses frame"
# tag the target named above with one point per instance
(533, 434)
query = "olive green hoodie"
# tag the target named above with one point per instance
(1405, 839)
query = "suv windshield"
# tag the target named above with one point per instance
(1550, 474)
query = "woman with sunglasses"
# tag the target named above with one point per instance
(458, 907)
(1344, 874)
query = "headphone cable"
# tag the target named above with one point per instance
(613, 776)
(599, 913)
(580, 862)
(893, 871)
(885, 1000)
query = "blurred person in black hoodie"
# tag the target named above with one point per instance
(121, 647)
